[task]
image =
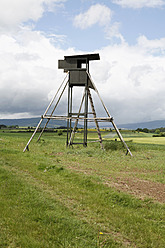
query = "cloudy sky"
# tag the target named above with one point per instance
(129, 35)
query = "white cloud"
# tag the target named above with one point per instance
(113, 32)
(15, 12)
(96, 14)
(152, 46)
(136, 4)
(28, 72)
(130, 79)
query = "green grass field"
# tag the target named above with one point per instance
(53, 196)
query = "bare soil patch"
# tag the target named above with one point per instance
(139, 187)
(133, 185)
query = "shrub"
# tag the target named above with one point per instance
(60, 132)
(113, 146)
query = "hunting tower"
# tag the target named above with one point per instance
(77, 69)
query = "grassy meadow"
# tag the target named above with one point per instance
(53, 196)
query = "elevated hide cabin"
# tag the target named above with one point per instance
(77, 66)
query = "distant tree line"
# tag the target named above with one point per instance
(158, 132)
(4, 126)
(146, 130)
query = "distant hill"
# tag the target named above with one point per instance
(149, 125)
(32, 122)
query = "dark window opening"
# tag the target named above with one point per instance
(81, 64)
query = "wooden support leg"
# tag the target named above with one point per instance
(96, 122)
(106, 110)
(27, 146)
(52, 112)
(76, 122)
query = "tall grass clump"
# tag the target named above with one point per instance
(118, 145)
(113, 145)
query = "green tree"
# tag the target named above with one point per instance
(157, 131)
